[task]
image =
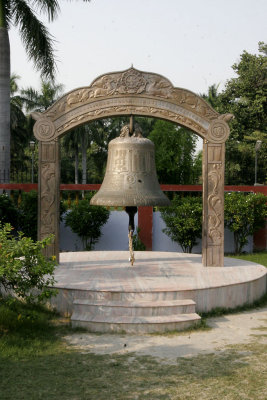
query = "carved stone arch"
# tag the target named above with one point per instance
(137, 93)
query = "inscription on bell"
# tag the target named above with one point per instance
(130, 178)
(139, 162)
(120, 161)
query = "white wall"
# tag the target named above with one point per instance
(115, 236)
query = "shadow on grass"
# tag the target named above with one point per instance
(71, 375)
(36, 364)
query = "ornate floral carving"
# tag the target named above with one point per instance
(218, 131)
(44, 129)
(48, 190)
(132, 82)
(113, 110)
(215, 205)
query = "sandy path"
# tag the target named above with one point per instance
(226, 330)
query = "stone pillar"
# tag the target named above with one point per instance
(48, 195)
(260, 238)
(145, 223)
(213, 204)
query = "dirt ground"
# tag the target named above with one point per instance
(225, 331)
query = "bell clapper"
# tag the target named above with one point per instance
(130, 237)
(131, 211)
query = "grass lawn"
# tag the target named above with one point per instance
(257, 257)
(36, 364)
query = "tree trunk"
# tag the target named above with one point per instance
(76, 165)
(84, 160)
(4, 106)
(236, 242)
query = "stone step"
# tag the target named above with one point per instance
(129, 324)
(133, 308)
(112, 295)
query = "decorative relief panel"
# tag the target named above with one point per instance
(143, 110)
(215, 154)
(48, 219)
(132, 83)
(48, 198)
(218, 131)
(215, 204)
(44, 129)
(133, 92)
(48, 152)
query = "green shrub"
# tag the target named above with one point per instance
(8, 211)
(183, 221)
(28, 214)
(23, 266)
(244, 214)
(138, 245)
(87, 221)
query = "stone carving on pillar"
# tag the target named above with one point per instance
(215, 205)
(49, 194)
(48, 199)
(44, 129)
(218, 131)
(218, 134)
(48, 214)
(213, 191)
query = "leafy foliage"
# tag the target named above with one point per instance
(39, 101)
(244, 214)
(183, 221)
(174, 152)
(37, 41)
(23, 266)
(246, 95)
(246, 98)
(28, 214)
(23, 217)
(8, 211)
(20, 135)
(138, 245)
(86, 221)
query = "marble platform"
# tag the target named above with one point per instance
(162, 291)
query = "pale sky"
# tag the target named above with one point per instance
(193, 43)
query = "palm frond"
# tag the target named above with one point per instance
(36, 38)
(48, 7)
(7, 13)
(30, 98)
(14, 83)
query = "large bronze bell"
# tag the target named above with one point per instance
(130, 178)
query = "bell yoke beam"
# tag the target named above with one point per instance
(134, 92)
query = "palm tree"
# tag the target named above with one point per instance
(213, 97)
(39, 101)
(39, 47)
(20, 134)
(71, 143)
